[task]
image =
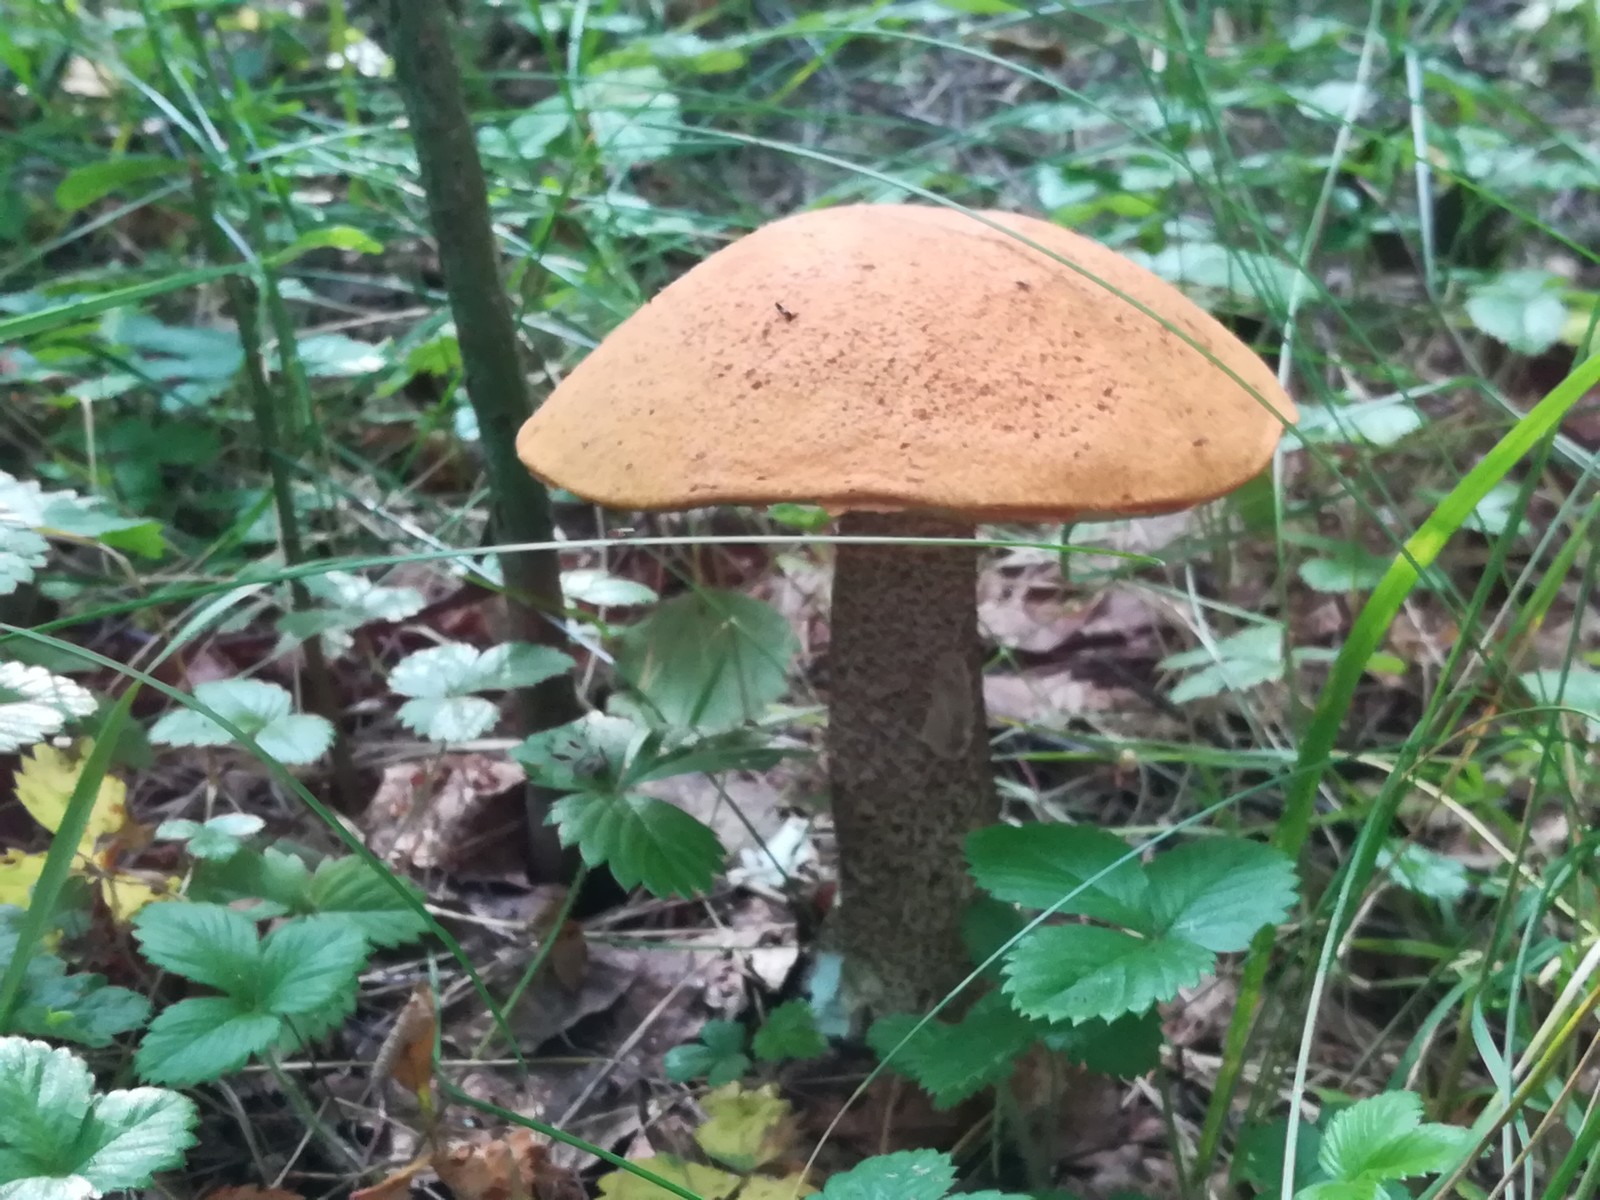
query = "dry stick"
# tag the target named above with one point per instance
(321, 696)
(452, 177)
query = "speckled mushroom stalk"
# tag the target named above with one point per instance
(908, 755)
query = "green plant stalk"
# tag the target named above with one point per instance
(1366, 635)
(63, 851)
(321, 694)
(452, 177)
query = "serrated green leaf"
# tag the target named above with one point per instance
(45, 1095)
(338, 356)
(907, 1175)
(278, 882)
(218, 838)
(450, 719)
(203, 1038)
(355, 892)
(308, 963)
(1217, 892)
(22, 552)
(1576, 687)
(1242, 660)
(207, 943)
(589, 754)
(789, 1033)
(645, 842)
(130, 1135)
(1424, 872)
(590, 585)
(954, 1061)
(744, 1128)
(1351, 568)
(1383, 1138)
(457, 669)
(1520, 309)
(1038, 865)
(708, 659)
(1374, 424)
(261, 709)
(35, 704)
(1130, 1046)
(718, 1057)
(1082, 972)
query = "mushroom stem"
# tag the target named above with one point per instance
(908, 749)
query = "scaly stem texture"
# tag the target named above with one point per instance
(908, 749)
(452, 177)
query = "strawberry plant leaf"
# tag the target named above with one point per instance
(906, 1175)
(708, 659)
(456, 669)
(449, 718)
(22, 553)
(308, 963)
(1217, 893)
(789, 1033)
(1383, 1139)
(1082, 972)
(954, 1061)
(1242, 660)
(646, 842)
(1130, 1046)
(58, 1139)
(1038, 865)
(356, 892)
(261, 709)
(718, 1057)
(207, 943)
(275, 881)
(35, 704)
(219, 839)
(202, 1038)
(132, 1134)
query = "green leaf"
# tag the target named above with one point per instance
(130, 1135)
(1130, 1046)
(1038, 865)
(1242, 660)
(450, 719)
(1575, 687)
(789, 1033)
(355, 892)
(1260, 1159)
(589, 754)
(83, 186)
(1424, 872)
(44, 1098)
(718, 1056)
(907, 1175)
(207, 943)
(76, 1007)
(954, 1061)
(22, 552)
(220, 838)
(331, 237)
(643, 840)
(203, 1038)
(1351, 568)
(309, 963)
(80, 308)
(1521, 309)
(590, 585)
(278, 882)
(337, 356)
(1383, 1138)
(1375, 423)
(35, 704)
(1217, 892)
(633, 115)
(1082, 972)
(708, 659)
(259, 708)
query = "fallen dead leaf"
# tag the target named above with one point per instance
(395, 1184)
(512, 1166)
(1047, 699)
(407, 1053)
(461, 814)
(746, 1129)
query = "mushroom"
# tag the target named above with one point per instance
(914, 370)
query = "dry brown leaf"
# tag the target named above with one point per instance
(569, 956)
(252, 1192)
(395, 1184)
(406, 1055)
(514, 1166)
(461, 813)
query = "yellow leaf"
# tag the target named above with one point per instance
(126, 894)
(18, 873)
(706, 1182)
(44, 785)
(745, 1130)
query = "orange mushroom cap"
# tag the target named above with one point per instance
(903, 357)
